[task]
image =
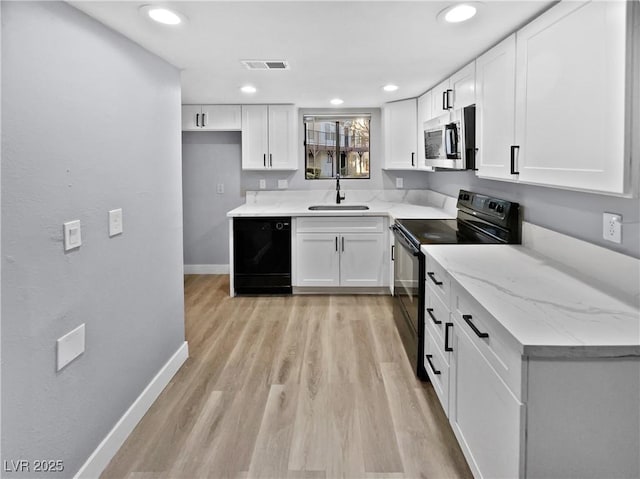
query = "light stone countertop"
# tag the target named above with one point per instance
(393, 204)
(550, 309)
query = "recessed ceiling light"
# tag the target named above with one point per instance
(248, 89)
(458, 13)
(390, 87)
(337, 101)
(162, 15)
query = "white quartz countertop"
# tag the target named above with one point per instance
(548, 308)
(300, 207)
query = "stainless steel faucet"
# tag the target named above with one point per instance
(338, 197)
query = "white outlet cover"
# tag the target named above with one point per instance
(283, 184)
(399, 182)
(115, 222)
(70, 346)
(220, 188)
(612, 227)
(263, 184)
(72, 235)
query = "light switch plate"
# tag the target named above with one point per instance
(70, 346)
(115, 222)
(283, 184)
(72, 235)
(220, 188)
(399, 182)
(263, 184)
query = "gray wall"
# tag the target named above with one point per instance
(90, 122)
(209, 159)
(572, 213)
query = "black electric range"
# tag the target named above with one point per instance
(480, 220)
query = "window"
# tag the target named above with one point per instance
(336, 144)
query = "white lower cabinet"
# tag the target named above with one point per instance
(517, 416)
(318, 259)
(485, 415)
(362, 259)
(341, 251)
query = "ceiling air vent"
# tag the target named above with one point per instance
(265, 64)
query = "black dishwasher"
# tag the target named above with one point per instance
(262, 255)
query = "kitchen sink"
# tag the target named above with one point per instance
(338, 207)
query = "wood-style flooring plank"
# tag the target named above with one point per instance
(290, 387)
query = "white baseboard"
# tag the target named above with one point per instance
(206, 269)
(100, 458)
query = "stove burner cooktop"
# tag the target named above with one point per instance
(480, 220)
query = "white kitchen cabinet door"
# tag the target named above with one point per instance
(570, 97)
(400, 137)
(486, 417)
(221, 118)
(362, 260)
(189, 117)
(317, 259)
(425, 110)
(463, 84)
(282, 137)
(439, 98)
(255, 137)
(495, 110)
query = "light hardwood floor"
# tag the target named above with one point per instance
(291, 387)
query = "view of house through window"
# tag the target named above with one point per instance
(336, 144)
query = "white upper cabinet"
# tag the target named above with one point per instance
(463, 86)
(425, 110)
(400, 135)
(441, 98)
(282, 137)
(269, 137)
(455, 92)
(571, 97)
(495, 110)
(211, 117)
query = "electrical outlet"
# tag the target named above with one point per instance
(283, 184)
(612, 227)
(263, 184)
(399, 182)
(220, 188)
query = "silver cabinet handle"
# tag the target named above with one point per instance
(264, 159)
(204, 119)
(270, 160)
(198, 120)
(343, 244)
(336, 244)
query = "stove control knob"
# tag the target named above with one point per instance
(500, 209)
(492, 205)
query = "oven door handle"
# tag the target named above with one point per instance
(400, 236)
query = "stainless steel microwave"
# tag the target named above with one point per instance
(450, 140)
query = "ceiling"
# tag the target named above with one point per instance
(346, 49)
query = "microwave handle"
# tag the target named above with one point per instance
(451, 140)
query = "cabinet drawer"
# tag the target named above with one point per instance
(500, 350)
(438, 279)
(437, 368)
(340, 224)
(436, 314)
